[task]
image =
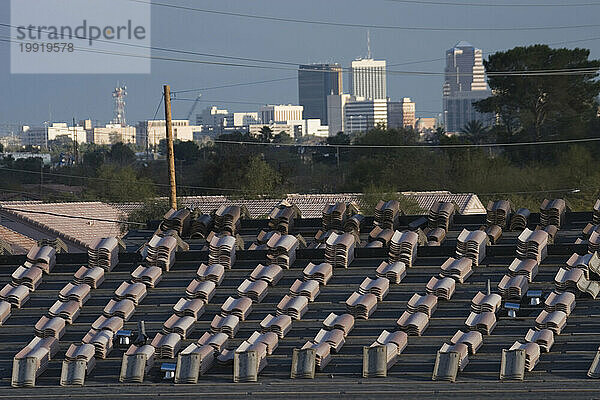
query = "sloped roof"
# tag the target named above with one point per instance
(561, 371)
(311, 205)
(20, 243)
(78, 230)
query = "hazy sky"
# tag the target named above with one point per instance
(32, 98)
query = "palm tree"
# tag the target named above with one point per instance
(266, 133)
(475, 131)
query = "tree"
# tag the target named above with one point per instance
(188, 152)
(544, 104)
(373, 194)
(150, 210)
(1, 148)
(266, 134)
(260, 178)
(121, 184)
(121, 154)
(340, 138)
(283, 137)
(474, 131)
(93, 159)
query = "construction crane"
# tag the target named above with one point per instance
(193, 107)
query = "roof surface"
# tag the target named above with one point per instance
(20, 243)
(560, 373)
(78, 230)
(311, 205)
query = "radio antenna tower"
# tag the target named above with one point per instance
(369, 55)
(119, 95)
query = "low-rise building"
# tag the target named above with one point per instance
(10, 141)
(290, 129)
(150, 133)
(313, 127)
(45, 157)
(241, 119)
(425, 125)
(213, 120)
(111, 134)
(280, 113)
(40, 136)
(361, 115)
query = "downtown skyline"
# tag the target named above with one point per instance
(35, 98)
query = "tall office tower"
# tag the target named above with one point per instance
(315, 83)
(368, 79)
(465, 83)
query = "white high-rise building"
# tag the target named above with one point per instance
(369, 79)
(361, 114)
(335, 112)
(464, 84)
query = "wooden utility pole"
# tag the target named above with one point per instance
(170, 151)
(75, 143)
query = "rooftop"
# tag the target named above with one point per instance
(560, 372)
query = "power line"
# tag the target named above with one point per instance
(443, 3)
(353, 25)
(70, 216)
(494, 51)
(189, 52)
(112, 180)
(261, 104)
(235, 85)
(548, 72)
(416, 146)
(172, 50)
(221, 101)
(571, 190)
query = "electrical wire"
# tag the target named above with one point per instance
(444, 3)
(71, 216)
(224, 86)
(563, 42)
(259, 103)
(112, 180)
(571, 190)
(416, 146)
(353, 25)
(544, 72)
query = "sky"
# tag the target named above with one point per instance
(35, 98)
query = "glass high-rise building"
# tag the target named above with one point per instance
(464, 84)
(315, 83)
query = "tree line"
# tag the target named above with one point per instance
(530, 107)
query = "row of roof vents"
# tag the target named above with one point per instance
(250, 357)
